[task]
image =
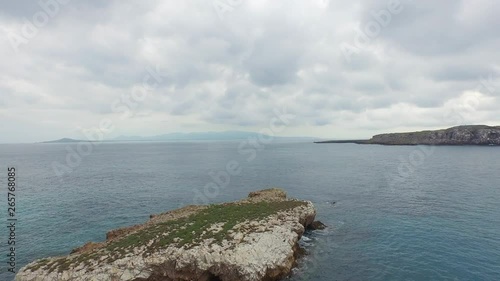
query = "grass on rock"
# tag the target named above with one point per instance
(184, 232)
(194, 228)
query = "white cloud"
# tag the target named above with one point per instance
(230, 73)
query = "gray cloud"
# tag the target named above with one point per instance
(462, 72)
(232, 73)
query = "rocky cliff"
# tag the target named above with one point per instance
(461, 135)
(249, 240)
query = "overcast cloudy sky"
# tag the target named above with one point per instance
(344, 69)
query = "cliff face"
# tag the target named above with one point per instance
(249, 240)
(461, 135)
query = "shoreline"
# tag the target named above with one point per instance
(476, 135)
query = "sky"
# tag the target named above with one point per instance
(320, 68)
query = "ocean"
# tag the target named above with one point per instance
(394, 212)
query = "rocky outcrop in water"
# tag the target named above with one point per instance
(248, 240)
(461, 135)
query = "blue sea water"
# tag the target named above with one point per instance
(400, 212)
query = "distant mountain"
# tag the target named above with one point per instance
(200, 136)
(460, 135)
(227, 135)
(63, 140)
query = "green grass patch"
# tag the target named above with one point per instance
(190, 229)
(40, 263)
(188, 232)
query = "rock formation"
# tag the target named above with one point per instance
(248, 240)
(460, 135)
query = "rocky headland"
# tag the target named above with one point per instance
(460, 135)
(248, 240)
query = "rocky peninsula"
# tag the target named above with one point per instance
(249, 240)
(460, 135)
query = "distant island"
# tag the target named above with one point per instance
(195, 136)
(225, 135)
(460, 135)
(63, 140)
